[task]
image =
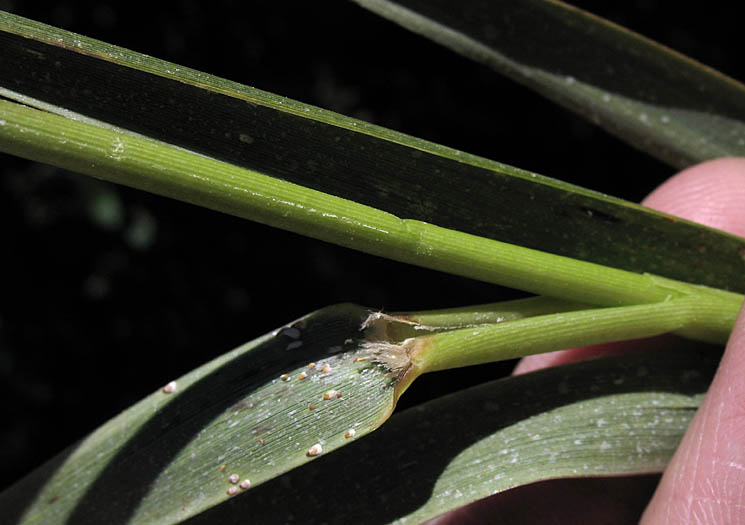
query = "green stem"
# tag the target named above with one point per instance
(117, 156)
(495, 342)
(463, 317)
(397, 326)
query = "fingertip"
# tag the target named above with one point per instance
(561, 357)
(705, 480)
(537, 362)
(710, 193)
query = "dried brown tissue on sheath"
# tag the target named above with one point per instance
(399, 359)
(376, 325)
(384, 345)
(395, 357)
(375, 317)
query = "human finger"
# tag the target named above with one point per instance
(711, 193)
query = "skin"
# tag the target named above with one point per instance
(705, 481)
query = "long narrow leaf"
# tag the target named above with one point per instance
(256, 412)
(410, 178)
(654, 98)
(263, 409)
(605, 417)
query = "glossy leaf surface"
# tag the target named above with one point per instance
(256, 412)
(170, 457)
(376, 167)
(666, 104)
(599, 418)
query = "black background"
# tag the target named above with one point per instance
(96, 314)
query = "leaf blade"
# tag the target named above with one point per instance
(161, 460)
(386, 170)
(417, 461)
(153, 166)
(659, 101)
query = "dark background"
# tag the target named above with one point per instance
(107, 293)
